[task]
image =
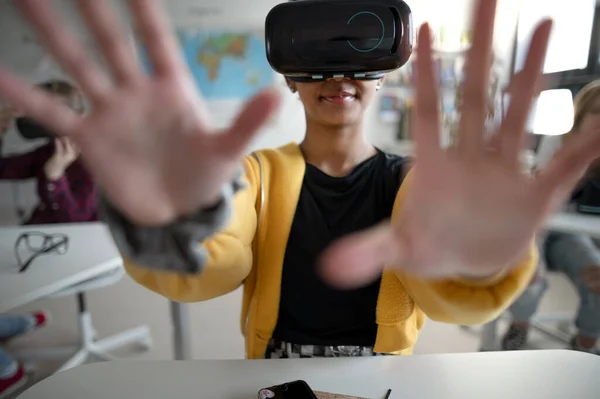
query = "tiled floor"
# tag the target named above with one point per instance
(215, 325)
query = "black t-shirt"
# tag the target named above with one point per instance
(312, 312)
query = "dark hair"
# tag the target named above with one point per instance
(66, 90)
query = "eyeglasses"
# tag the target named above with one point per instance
(39, 244)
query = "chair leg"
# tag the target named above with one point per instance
(102, 356)
(140, 335)
(489, 336)
(100, 348)
(88, 346)
(76, 360)
(551, 333)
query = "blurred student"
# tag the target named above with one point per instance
(575, 255)
(65, 189)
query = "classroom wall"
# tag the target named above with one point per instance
(21, 52)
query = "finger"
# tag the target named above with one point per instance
(76, 149)
(477, 76)
(526, 88)
(117, 50)
(68, 146)
(59, 148)
(158, 36)
(360, 258)
(72, 147)
(570, 163)
(38, 104)
(427, 108)
(544, 82)
(65, 47)
(249, 121)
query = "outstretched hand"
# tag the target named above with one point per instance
(147, 140)
(468, 211)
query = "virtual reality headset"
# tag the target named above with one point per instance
(31, 130)
(313, 40)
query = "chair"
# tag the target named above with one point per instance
(89, 346)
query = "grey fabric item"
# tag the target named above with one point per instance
(174, 247)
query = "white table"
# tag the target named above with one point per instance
(92, 260)
(499, 375)
(578, 223)
(91, 253)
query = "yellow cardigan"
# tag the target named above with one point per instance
(403, 300)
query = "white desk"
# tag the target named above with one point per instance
(577, 223)
(91, 253)
(92, 260)
(499, 375)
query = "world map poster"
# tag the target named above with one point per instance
(224, 64)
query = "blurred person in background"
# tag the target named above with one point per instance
(65, 189)
(575, 255)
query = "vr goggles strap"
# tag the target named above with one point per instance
(322, 77)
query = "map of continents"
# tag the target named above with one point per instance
(226, 65)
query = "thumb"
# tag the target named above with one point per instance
(249, 121)
(359, 258)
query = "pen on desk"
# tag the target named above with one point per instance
(388, 394)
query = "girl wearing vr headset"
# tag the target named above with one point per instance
(304, 228)
(65, 189)
(575, 255)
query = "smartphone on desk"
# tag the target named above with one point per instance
(290, 390)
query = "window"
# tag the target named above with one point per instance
(569, 46)
(554, 113)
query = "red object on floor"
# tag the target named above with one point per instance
(41, 319)
(9, 386)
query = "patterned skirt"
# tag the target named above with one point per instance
(285, 350)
